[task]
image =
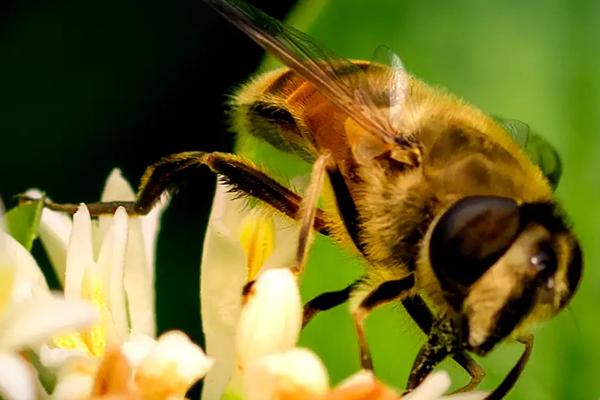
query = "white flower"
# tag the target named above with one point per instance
(296, 373)
(110, 264)
(238, 243)
(171, 367)
(29, 315)
(132, 250)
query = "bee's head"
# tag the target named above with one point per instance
(501, 265)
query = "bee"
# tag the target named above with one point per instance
(452, 210)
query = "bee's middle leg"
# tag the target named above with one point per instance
(385, 293)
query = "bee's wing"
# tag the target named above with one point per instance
(541, 153)
(352, 89)
(386, 72)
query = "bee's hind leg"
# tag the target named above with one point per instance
(326, 301)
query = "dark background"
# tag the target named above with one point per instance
(89, 86)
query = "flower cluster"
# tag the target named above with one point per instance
(95, 339)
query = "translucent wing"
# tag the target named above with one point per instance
(542, 153)
(353, 89)
(387, 81)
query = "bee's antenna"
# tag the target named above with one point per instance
(574, 318)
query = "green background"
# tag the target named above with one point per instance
(535, 62)
(85, 87)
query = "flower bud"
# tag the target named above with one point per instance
(297, 374)
(271, 319)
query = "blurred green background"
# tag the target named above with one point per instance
(89, 86)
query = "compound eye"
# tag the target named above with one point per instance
(468, 239)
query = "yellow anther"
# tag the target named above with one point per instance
(257, 236)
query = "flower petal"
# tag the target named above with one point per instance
(73, 386)
(223, 275)
(137, 348)
(432, 388)
(17, 378)
(7, 284)
(257, 237)
(475, 395)
(361, 386)
(150, 227)
(79, 253)
(171, 368)
(111, 262)
(295, 374)
(56, 357)
(138, 282)
(28, 323)
(13, 254)
(286, 236)
(116, 188)
(55, 231)
(272, 317)
(112, 377)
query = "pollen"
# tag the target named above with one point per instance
(257, 236)
(95, 337)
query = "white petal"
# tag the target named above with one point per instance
(137, 348)
(117, 188)
(432, 388)
(15, 255)
(361, 377)
(295, 371)
(74, 386)
(223, 275)
(79, 254)
(286, 237)
(172, 366)
(30, 322)
(138, 282)
(272, 317)
(111, 262)
(478, 395)
(55, 231)
(150, 228)
(17, 378)
(227, 212)
(57, 357)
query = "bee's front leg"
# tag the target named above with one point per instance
(512, 377)
(441, 342)
(420, 313)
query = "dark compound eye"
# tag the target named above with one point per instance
(468, 239)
